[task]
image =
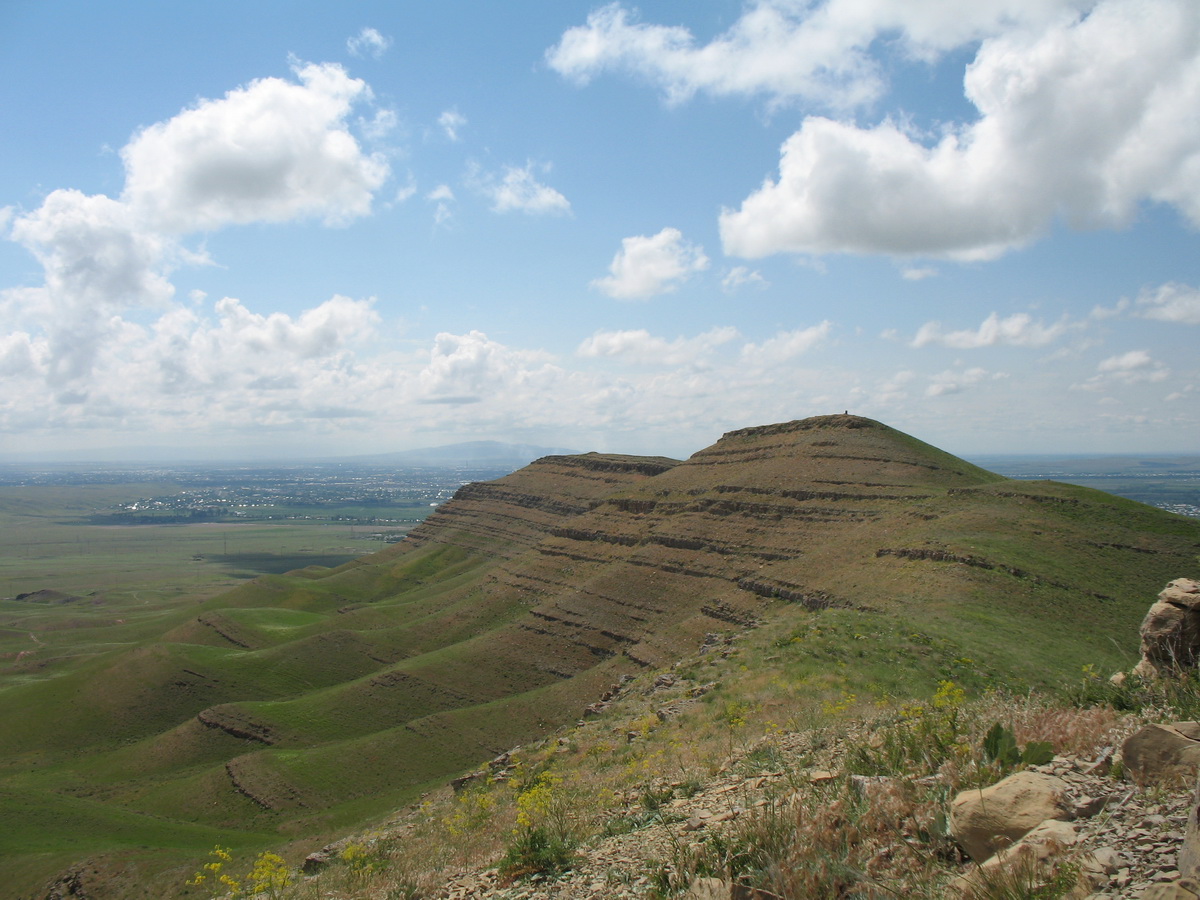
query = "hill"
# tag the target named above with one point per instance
(298, 706)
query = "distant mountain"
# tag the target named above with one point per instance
(487, 453)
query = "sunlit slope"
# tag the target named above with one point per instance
(313, 700)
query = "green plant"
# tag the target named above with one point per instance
(1000, 748)
(544, 839)
(653, 798)
(269, 876)
(535, 850)
(924, 736)
(1176, 695)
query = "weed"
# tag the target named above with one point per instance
(535, 850)
(1177, 695)
(1025, 878)
(1001, 749)
(544, 839)
(268, 877)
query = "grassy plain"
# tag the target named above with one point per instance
(88, 588)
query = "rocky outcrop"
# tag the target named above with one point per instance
(1171, 631)
(1163, 754)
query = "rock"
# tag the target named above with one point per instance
(1108, 859)
(462, 782)
(68, 886)
(1189, 852)
(1039, 848)
(319, 859)
(1163, 754)
(985, 820)
(1181, 889)
(1171, 631)
(867, 785)
(1086, 807)
(709, 889)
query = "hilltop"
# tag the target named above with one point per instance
(299, 706)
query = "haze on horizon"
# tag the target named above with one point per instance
(235, 231)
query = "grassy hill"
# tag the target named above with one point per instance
(298, 706)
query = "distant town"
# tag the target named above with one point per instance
(347, 493)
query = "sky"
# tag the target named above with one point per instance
(308, 229)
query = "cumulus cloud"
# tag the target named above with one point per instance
(1017, 330)
(1129, 368)
(1170, 302)
(467, 368)
(1079, 120)
(783, 49)
(519, 190)
(451, 123)
(368, 42)
(640, 347)
(648, 266)
(272, 151)
(787, 344)
(97, 259)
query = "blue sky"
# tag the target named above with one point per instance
(302, 229)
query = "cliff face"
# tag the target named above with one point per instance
(513, 513)
(521, 600)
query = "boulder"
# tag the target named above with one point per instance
(709, 889)
(1037, 851)
(1189, 854)
(1180, 889)
(1163, 754)
(988, 819)
(1171, 631)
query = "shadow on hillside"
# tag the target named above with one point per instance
(247, 565)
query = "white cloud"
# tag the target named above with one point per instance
(787, 344)
(1018, 330)
(272, 151)
(443, 196)
(1079, 120)
(1171, 302)
(647, 266)
(1129, 368)
(452, 122)
(97, 260)
(741, 276)
(640, 347)
(519, 190)
(917, 273)
(954, 382)
(467, 368)
(784, 49)
(368, 42)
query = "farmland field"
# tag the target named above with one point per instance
(91, 560)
